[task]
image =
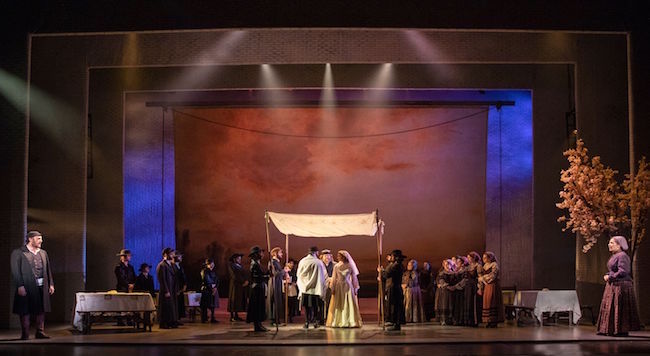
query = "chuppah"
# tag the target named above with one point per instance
(312, 225)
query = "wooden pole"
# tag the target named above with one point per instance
(286, 288)
(380, 292)
(268, 246)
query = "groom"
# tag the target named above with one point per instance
(312, 277)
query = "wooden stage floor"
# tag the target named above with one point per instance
(237, 337)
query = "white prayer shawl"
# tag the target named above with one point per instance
(310, 225)
(312, 276)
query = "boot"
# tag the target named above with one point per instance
(24, 325)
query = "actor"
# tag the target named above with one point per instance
(618, 314)
(124, 272)
(490, 288)
(344, 306)
(125, 276)
(256, 312)
(394, 297)
(209, 284)
(236, 292)
(32, 276)
(144, 281)
(414, 312)
(167, 304)
(443, 295)
(292, 289)
(326, 257)
(181, 283)
(276, 295)
(428, 291)
(312, 286)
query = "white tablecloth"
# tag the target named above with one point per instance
(110, 302)
(192, 299)
(550, 301)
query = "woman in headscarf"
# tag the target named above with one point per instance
(412, 294)
(443, 295)
(490, 288)
(344, 304)
(618, 314)
(427, 286)
(473, 301)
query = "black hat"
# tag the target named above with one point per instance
(255, 250)
(124, 252)
(313, 249)
(143, 266)
(397, 254)
(235, 255)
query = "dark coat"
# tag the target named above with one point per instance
(236, 292)
(276, 297)
(168, 305)
(21, 270)
(256, 311)
(394, 298)
(125, 275)
(144, 284)
(209, 284)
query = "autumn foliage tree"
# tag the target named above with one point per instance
(597, 205)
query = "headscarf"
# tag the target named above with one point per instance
(622, 241)
(353, 266)
(491, 256)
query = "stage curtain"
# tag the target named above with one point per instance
(308, 225)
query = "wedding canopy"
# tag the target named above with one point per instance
(309, 225)
(313, 225)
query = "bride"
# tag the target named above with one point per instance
(344, 305)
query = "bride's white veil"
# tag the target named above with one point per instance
(353, 266)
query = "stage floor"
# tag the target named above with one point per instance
(240, 334)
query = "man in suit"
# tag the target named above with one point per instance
(167, 302)
(32, 275)
(125, 276)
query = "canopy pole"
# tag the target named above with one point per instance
(268, 246)
(286, 282)
(380, 292)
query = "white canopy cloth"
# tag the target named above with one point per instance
(310, 225)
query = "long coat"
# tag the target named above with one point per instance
(168, 305)
(236, 295)
(257, 304)
(394, 298)
(21, 271)
(275, 295)
(125, 275)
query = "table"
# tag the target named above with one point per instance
(543, 301)
(87, 305)
(192, 303)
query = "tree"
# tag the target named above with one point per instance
(591, 197)
(636, 196)
(598, 205)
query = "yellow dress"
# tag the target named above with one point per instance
(344, 305)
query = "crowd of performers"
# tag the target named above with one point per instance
(465, 291)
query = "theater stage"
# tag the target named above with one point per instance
(239, 334)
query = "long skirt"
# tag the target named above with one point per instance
(428, 302)
(472, 312)
(443, 305)
(413, 305)
(618, 313)
(458, 307)
(493, 311)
